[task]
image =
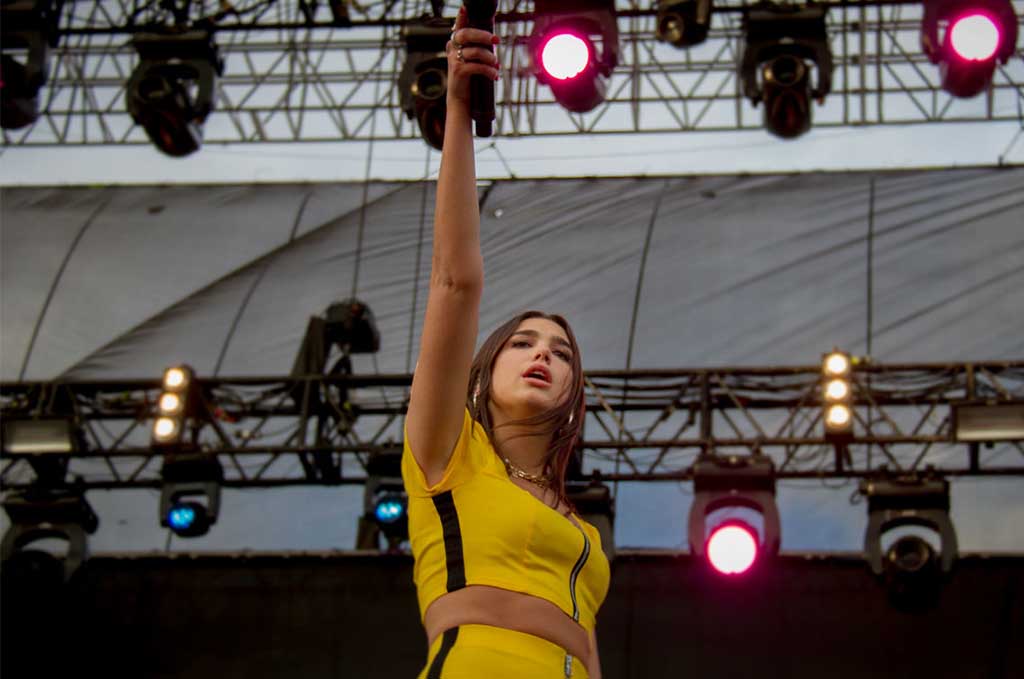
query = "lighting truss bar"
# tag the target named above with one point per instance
(289, 80)
(649, 425)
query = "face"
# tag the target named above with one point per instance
(533, 370)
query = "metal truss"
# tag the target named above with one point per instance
(292, 75)
(640, 426)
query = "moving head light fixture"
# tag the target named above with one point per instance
(385, 504)
(910, 568)
(40, 513)
(683, 24)
(171, 91)
(423, 82)
(733, 547)
(780, 42)
(30, 25)
(187, 479)
(564, 54)
(975, 34)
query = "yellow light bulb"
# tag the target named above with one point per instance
(838, 415)
(170, 404)
(837, 364)
(165, 428)
(837, 390)
(174, 378)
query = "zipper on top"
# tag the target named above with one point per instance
(576, 570)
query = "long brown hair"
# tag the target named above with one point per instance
(556, 421)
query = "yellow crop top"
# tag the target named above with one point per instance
(476, 527)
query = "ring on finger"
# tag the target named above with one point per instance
(458, 55)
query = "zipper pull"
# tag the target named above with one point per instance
(568, 665)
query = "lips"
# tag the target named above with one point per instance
(538, 372)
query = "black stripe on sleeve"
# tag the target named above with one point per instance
(445, 505)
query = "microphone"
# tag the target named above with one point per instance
(480, 14)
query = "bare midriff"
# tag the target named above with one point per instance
(485, 605)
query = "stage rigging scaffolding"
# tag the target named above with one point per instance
(293, 74)
(640, 426)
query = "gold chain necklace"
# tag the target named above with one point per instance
(525, 475)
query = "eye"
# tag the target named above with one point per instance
(519, 343)
(563, 355)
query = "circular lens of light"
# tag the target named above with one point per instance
(174, 378)
(836, 364)
(564, 56)
(838, 416)
(837, 390)
(181, 518)
(732, 550)
(389, 511)
(974, 37)
(170, 403)
(165, 428)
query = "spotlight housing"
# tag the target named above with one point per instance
(683, 24)
(423, 82)
(780, 42)
(734, 481)
(30, 25)
(975, 36)
(160, 95)
(911, 570)
(567, 30)
(186, 478)
(41, 513)
(385, 504)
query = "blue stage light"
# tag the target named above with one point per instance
(181, 518)
(188, 519)
(390, 510)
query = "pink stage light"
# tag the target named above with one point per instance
(564, 56)
(732, 548)
(974, 37)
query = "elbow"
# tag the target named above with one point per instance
(466, 281)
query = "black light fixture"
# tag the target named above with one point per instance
(171, 91)
(988, 421)
(190, 494)
(385, 504)
(47, 443)
(734, 547)
(685, 23)
(967, 38)
(30, 25)
(40, 513)
(423, 82)
(837, 396)
(780, 45)
(910, 568)
(564, 53)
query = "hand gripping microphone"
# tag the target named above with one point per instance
(480, 14)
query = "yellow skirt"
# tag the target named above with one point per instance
(476, 651)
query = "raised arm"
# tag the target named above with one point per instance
(440, 383)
